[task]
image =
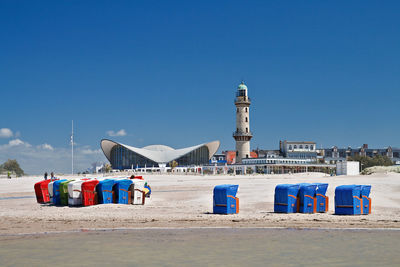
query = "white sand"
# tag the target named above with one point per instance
(186, 201)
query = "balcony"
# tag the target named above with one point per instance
(250, 134)
(242, 100)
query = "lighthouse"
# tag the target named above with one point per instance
(242, 135)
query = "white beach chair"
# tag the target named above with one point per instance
(74, 192)
(51, 193)
(137, 192)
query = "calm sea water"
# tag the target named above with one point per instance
(200, 247)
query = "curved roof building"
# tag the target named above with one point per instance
(124, 157)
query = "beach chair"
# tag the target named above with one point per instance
(285, 199)
(322, 199)
(64, 192)
(147, 190)
(225, 200)
(348, 200)
(308, 199)
(366, 201)
(122, 192)
(51, 192)
(75, 192)
(89, 193)
(42, 191)
(105, 191)
(137, 192)
(56, 191)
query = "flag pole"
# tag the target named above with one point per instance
(72, 146)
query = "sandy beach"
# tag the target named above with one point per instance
(184, 201)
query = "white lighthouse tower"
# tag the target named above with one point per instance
(242, 135)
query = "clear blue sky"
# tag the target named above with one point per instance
(166, 71)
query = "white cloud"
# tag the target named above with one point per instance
(5, 133)
(40, 158)
(46, 146)
(121, 132)
(88, 151)
(18, 142)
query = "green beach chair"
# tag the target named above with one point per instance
(64, 192)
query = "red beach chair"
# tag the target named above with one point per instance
(89, 194)
(42, 191)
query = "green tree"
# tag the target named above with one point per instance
(367, 162)
(173, 164)
(13, 166)
(107, 167)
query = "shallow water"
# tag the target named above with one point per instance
(199, 247)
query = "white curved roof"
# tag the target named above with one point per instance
(159, 153)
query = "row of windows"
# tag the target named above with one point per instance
(237, 110)
(344, 154)
(247, 130)
(261, 161)
(122, 158)
(196, 157)
(302, 155)
(301, 147)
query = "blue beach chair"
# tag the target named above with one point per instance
(366, 201)
(286, 200)
(225, 200)
(322, 199)
(105, 191)
(121, 189)
(348, 200)
(56, 191)
(307, 197)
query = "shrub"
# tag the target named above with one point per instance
(12, 165)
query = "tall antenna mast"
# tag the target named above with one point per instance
(72, 146)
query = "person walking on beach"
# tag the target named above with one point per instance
(45, 175)
(52, 175)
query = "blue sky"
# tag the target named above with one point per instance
(166, 72)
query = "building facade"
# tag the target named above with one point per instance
(335, 153)
(298, 149)
(127, 157)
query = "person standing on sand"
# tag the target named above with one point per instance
(45, 175)
(52, 175)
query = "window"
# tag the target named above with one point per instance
(306, 146)
(301, 146)
(247, 130)
(237, 153)
(312, 147)
(295, 146)
(290, 147)
(237, 110)
(246, 109)
(247, 120)
(237, 130)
